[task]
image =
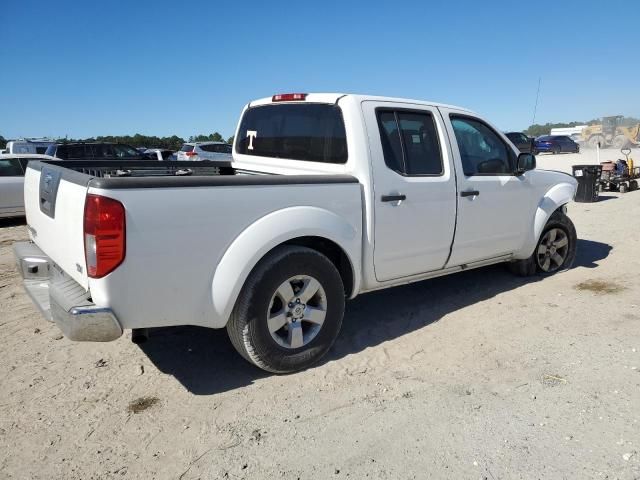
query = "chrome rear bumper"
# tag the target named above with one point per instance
(62, 300)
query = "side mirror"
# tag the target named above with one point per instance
(526, 162)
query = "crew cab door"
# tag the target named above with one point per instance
(495, 206)
(413, 186)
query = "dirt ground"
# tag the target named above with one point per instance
(478, 375)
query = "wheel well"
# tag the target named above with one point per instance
(333, 252)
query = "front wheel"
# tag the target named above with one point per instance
(555, 250)
(290, 310)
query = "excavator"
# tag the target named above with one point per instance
(610, 133)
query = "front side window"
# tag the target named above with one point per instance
(482, 151)
(310, 132)
(124, 151)
(10, 168)
(410, 142)
(102, 151)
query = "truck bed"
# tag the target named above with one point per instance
(155, 174)
(182, 220)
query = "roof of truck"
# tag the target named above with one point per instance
(334, 97)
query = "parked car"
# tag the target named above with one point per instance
(38, 146)
(317, 181)
(12, 168)
(158, 154)
(521, 141)
(205, 151)
(556, 144)
(94, 151)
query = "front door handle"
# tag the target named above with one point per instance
(393, 198)
(470, 193)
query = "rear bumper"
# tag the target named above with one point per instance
(62, 300)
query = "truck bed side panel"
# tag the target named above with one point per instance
(177, 236)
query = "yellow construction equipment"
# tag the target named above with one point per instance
(610, 133)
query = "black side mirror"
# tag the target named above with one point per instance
(526, 162)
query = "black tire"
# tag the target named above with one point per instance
(633, 185)
(247, 327)
(530, 266)
(555, 150)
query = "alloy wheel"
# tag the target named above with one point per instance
(297, 311)
(552, 250)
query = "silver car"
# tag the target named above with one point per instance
(12, 168)
(193, 151)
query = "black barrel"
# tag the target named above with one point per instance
(588, 177)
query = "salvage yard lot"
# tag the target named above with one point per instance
(474, 375)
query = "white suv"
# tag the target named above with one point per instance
(205, 151)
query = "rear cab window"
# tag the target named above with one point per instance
(310, 132)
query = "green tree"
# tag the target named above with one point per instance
(216, 137)
(3, 142)
(230, 140)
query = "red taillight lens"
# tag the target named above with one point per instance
(104, 235)
(288, 97)
(191, 154)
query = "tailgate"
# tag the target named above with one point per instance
(54, 200)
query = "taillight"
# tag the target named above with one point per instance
(191, 154)
(104, 235)
(288, 97)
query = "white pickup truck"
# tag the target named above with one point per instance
(328, 196)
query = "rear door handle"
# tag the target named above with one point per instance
(393, 198)
(470, 193)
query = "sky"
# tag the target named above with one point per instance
(89, 68)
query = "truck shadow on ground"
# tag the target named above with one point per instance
(205, 363)
(12, 222)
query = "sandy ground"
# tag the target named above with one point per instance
(478, 375)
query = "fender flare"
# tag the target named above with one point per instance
(556, 197)
(266, 233)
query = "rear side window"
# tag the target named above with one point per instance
(72, 151)
(310, 132)
(410, 142)
(187, 148)
(216, 148)
(10, 168)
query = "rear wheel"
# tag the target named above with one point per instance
(555, 150)
(619, 142)
(555, 250)
(290, 310)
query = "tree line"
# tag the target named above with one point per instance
(173, 142)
